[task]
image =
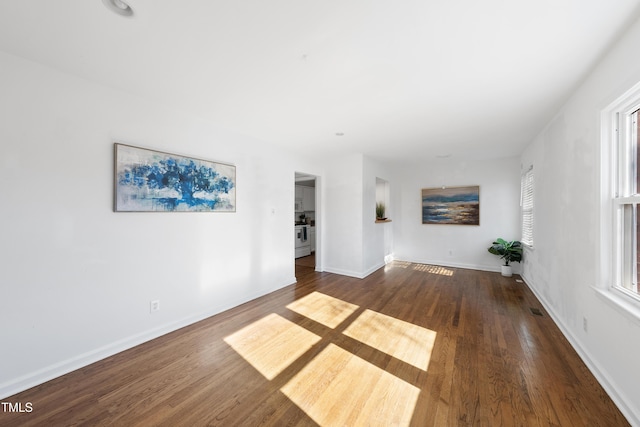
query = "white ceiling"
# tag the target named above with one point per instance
(401, 79)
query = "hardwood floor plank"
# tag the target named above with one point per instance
(411, 344)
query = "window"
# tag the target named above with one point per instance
(526, 189)
(621, 194)
(625, 203)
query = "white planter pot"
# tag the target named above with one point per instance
(506, 271)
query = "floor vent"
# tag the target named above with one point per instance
(535, 311)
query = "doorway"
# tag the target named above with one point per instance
(306, 222)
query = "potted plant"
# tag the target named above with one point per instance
(509, 251)
(380, 209)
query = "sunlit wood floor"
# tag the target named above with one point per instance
(411, 344)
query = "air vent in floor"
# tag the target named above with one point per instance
(535, 311)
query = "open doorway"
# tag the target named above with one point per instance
(306, 222)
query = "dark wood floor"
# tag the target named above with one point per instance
(307, 261)
(411, 344)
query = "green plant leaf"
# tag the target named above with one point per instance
(509, 251)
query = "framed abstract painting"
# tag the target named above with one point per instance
(154, 181)
(451, 205)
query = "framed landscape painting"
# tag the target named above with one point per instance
(153, 181)
(451, 205)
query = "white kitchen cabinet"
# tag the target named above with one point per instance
(298, 206)
(312, 238)
(305, 198)
(309, 198)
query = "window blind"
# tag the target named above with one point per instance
(526, 202)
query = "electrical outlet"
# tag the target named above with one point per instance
(154, 305)
(584, 324)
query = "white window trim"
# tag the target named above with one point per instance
(610, 248)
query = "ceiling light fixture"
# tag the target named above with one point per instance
(119, 7)
(339, 133)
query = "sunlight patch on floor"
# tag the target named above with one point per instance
(396, 264)
(427, 268)
(338, 388)
(324, 309)
(434, 269)
(405, 341)
(271, 344)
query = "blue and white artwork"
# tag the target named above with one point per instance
(451, 205)
(153, 181)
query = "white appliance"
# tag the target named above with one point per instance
(301, 237)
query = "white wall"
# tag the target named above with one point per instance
(342, 226)
(563, 267)
(457, 245)
(356, 245)
(77, 278)
(377, 238)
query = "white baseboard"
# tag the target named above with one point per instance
(356, 274)
(25, 382)
(441, 263)
(373, 269)
(593, 366)
(363, 274)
